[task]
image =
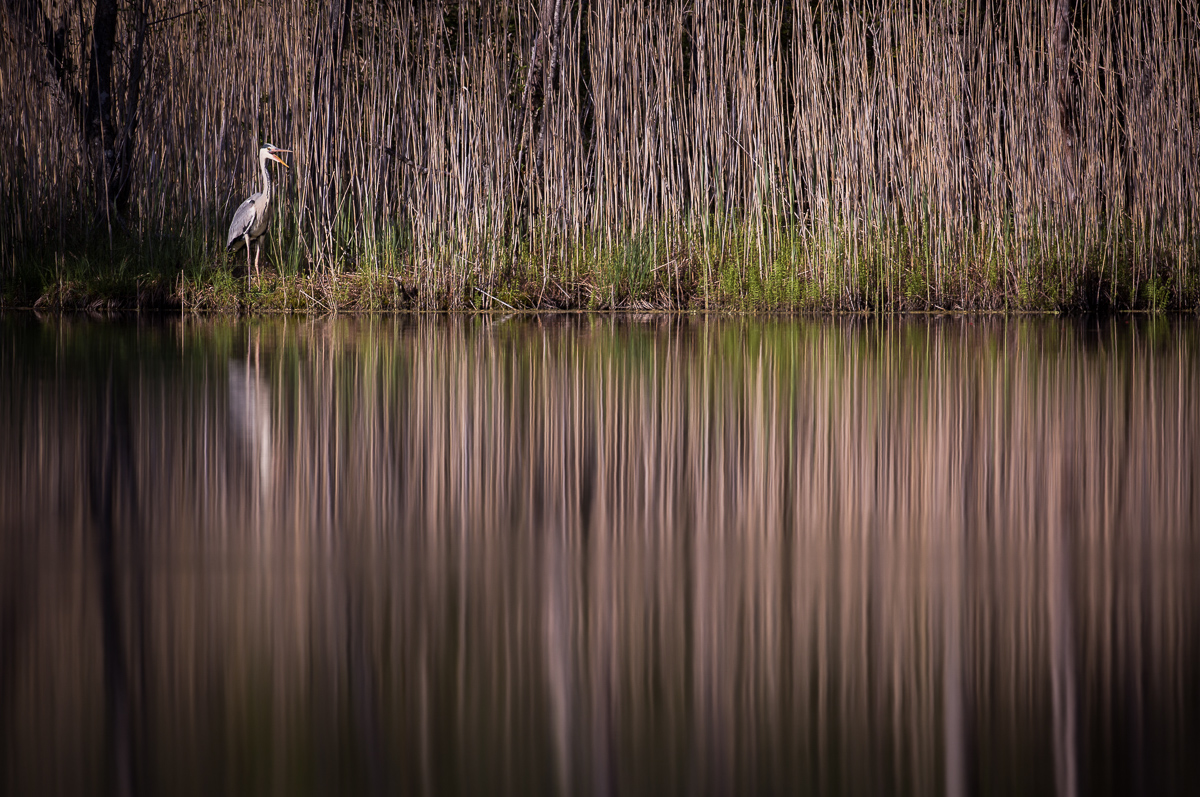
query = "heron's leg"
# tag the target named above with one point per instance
(247, 239)
(257, 252)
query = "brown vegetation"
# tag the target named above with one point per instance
(765, 154)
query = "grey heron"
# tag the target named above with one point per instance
(250, 220)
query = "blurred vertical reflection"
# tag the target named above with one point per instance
(599, 556)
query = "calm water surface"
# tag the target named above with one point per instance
(599, 556)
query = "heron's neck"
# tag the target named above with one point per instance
(262, 164)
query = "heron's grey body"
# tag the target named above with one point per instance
(250, 219)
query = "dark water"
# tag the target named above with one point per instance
(597, 556)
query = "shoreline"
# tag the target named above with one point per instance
(686, 279)
(221, 293)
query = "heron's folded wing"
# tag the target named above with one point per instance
(243, 220)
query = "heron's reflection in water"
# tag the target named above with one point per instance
(250, 413)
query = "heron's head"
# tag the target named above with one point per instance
(271, 152)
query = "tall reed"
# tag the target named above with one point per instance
(886, 154)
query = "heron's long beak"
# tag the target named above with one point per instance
(278, 159)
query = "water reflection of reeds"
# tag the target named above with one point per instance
(602, 556)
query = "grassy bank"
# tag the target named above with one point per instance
(728, 270)
(564, 153)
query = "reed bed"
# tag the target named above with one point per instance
(883, 155)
